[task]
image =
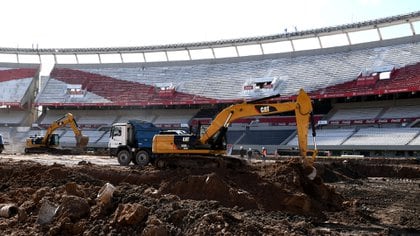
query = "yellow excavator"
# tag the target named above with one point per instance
(50, 141)
(174, 148)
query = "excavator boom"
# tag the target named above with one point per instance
(302, 108)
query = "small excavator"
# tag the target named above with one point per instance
(178, 149)
(50, 141)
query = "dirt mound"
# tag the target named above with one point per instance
(278, 187)
(60, 200)
(270, 199)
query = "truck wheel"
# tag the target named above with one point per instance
(142, 158)
(124, 157)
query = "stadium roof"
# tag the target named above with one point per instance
(347, 28)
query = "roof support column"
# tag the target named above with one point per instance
(291, 44)
(189, 54)
(379, 33)
(121, 57)
(348, 38)
(262, 49)
(412, 28)
(144, 56)
(319, 41)
(166, 55)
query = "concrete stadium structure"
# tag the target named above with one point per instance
(363, 78)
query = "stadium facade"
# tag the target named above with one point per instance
(364, 79)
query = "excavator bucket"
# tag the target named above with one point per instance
(82, 141)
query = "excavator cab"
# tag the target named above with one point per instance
(54, 140)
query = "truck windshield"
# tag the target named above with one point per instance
(115, 131)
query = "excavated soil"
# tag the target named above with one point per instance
(274, 198)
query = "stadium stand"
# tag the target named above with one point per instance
(404, 79)
(105, 118)
(412, 111)
(382, 136)
(67, 138)
(15, 83)
(205, 82)
(262, 137)
(102, 90)
(365, 95)
(326, 137)
(11, 117)
(356, 114)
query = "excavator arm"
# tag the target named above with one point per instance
(302, 108)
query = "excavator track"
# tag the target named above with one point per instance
(198, 161)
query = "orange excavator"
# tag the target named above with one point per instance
(50, 141)
(173, 149)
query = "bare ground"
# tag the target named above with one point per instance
(58, 195)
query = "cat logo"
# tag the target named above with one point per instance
(264, 109)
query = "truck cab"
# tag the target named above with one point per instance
(132, 142)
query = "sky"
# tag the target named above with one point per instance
(106, 23)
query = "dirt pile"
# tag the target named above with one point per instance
(60, 200)
(270, 199)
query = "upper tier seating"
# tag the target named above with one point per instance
(100, 89)
(207, 82)
(406, 78)
(14, 84)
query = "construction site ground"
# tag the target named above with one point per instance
(66, 195)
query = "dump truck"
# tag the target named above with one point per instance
(132, 142)
(49, 143)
